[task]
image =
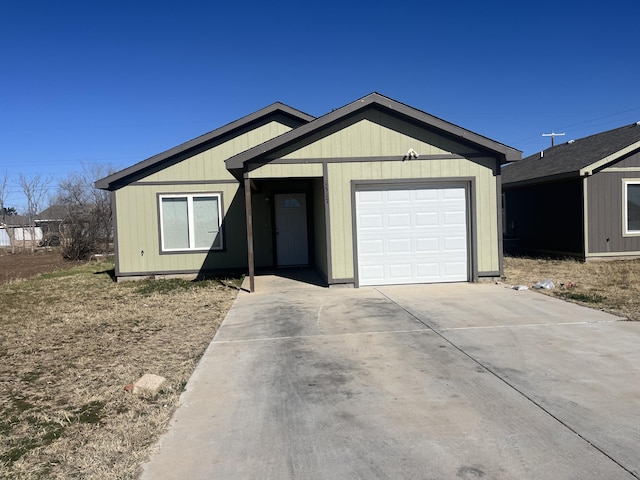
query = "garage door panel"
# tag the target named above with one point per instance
(454, 218)
(456, 244)
(426, 219)
(400, 245)
(457, 193)
(369, 196)
(427, 245)
(400, 271)
(372, 247)
(395, 196)
(399, 220)
(411, 236)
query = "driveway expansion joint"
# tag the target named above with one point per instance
(512, 386)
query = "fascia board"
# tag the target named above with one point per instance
(589, 169)
(107, 182)
(374, 99)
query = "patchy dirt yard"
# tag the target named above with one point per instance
(26, 264)
(70, 341)
(612, 286)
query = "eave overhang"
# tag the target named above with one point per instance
(288, 115)
(269, 150)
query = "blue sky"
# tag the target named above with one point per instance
(113, 83)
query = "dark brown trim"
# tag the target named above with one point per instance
(114, 220)
(261, 153)
(500, 225)
(185, 182)
(279, 111)
(250, 256)
(547, 179)
(387, 158)
(342, 281)
(489, 274)
(327, 219)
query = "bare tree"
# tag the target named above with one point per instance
(34, 189)
(3, 208)
(87, 225)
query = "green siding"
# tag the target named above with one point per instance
(374, 134)
(209, 165)
(341, 174)
(138, 230)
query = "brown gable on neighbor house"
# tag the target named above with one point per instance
(569, 159)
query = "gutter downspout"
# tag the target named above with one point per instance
(249, 216)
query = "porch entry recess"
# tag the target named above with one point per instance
(291, 229)
(412, 235)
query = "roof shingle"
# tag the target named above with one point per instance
(569, 158)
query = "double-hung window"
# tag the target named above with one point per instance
(190, 222)
(631, 207)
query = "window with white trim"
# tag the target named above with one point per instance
(631, 207)
(190, 222)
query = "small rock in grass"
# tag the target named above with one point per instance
(148, 383)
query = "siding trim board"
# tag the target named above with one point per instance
(589, 169)
(327, 216)
(282, 144)
(625, 205)
(585, 215)
(275, 112)
(384, 158)
(183, 182)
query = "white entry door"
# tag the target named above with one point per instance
(411, 236)
(291, 229)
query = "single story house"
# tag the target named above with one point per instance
(580, 198)
(375, 192)
(51, 222)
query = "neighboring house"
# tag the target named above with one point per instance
(50, 222)
(375, 192)
(5, 240)
(21, 230)
(581, 198)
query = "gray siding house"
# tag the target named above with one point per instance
(580, 198)
(375, 192)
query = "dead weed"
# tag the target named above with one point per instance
(612, 286)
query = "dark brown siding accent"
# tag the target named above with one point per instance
(604, 198)
(545, 218)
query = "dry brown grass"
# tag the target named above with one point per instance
(69, 342)
(612, 286)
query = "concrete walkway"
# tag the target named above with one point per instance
(408, 382)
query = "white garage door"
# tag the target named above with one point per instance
(411, 236)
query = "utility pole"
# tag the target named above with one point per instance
(553, 135)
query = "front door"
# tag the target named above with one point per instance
(291, 229)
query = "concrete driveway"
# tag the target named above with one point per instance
(409, 382)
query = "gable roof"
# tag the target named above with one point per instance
(261, 152)
(52, 213)
(276, 111)
(575, 158)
